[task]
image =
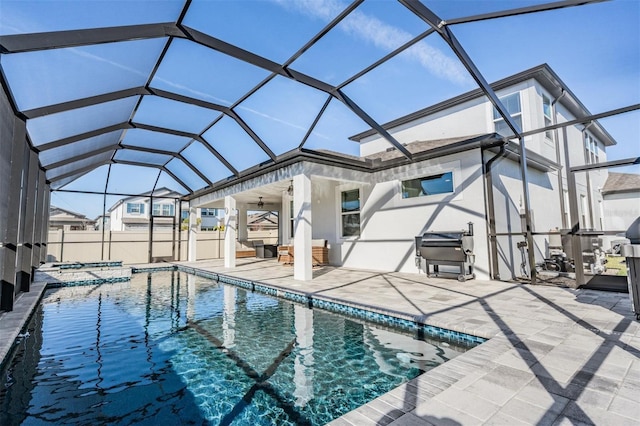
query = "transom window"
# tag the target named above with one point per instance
(350, 213)
(429, 185)
(162, 209)
(512, 104)
(135, 208)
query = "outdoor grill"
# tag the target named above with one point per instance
(449, 248)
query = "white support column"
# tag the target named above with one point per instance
(230, 230)
(193, 233)
(242, 223)
(303, 363)
(302, 267)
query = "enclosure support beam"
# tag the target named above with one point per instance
(193, 236)
(574, 216)
(12, 150)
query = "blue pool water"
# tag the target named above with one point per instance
(169, 348)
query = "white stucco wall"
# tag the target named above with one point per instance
(390, 223)
(621, 210)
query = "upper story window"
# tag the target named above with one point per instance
(512, 104)
(209, 212)
(350, 213)
(546, 111)
(590, 149)
(429, 185)
(135, 208)
(162, 209)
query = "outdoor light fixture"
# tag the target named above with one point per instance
(260, 203)
(290, 189)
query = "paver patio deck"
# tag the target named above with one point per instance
(555, 355)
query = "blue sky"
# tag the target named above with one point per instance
(595, 49)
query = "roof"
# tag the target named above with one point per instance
(53, 210)
(541, 73)
(621, 182)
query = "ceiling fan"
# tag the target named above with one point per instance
(260, 203)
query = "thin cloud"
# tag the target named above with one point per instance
(382, 35)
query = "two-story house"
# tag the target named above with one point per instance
(464, 169)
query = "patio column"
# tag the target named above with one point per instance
(230, 231)
(193, 234)
(302, 267)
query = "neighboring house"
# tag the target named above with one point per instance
(262, 221)
(67, 220)
(134, 213)
(370, 208)
(210, 219)
(100, 220)
(621, 200)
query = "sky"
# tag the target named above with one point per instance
(594, 49)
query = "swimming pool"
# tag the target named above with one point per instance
(172, 348)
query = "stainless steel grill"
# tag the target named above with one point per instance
(449, 248)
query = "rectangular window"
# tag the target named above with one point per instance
(162, 209)
(429, 185)
(350, 212)
(135, 208)
(209, 212)
(546, 111)
(512, 104)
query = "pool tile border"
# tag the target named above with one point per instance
(398, 320)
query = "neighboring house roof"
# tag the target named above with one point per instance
(159, 193)
(55, 210)
(621, 182)
(266, 219)
(541, 73)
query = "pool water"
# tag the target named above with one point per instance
(171, 348)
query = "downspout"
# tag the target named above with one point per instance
(588, 178)
(490, 209)
(563, 208)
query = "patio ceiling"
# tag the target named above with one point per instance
(203, 95)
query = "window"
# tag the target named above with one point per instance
(590, 149)
(546, 111)
(135, 208)
(512, 104)
(350, 213)
(209, 212)
(163, 209)
(428, 185)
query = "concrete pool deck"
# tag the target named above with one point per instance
(555, 355)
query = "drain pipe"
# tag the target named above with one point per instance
(563, 208)
(490, 208)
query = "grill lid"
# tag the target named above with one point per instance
(633, 233)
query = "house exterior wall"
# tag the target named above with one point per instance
(389, 223)
(621, 209)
